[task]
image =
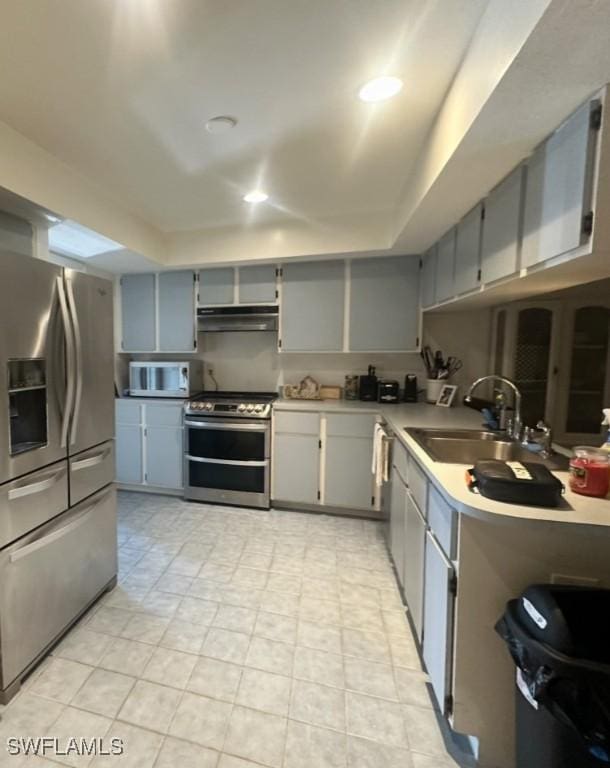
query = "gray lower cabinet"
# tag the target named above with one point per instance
(558, 190)
(257, 284)
(384, 304)
(129, 457)
(296, 468)
(149, 444)
(501, 228)
(415, 547)
(428, 278)
(164, 456)
(138, 313)
(398, 508)
(216, 286)
(468, 251)
(312, 306)
(177, 331)
(438, 619)
(347, 476)
(445, 267)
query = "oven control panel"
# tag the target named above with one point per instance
(256, 410)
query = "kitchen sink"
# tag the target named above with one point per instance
(467, 446)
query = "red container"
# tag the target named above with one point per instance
(590, 471)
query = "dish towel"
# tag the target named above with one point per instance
(381, 456)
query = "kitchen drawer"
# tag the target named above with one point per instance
(296, 422)
(418, 484)
(350, 425)
(400, 459)
(50, 576)
(161, 415)
(90, 471)
(442, 520)
(32, 500)
(128, 412)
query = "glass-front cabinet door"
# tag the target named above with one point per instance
(587, 386)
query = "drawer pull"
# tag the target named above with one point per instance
(90, 461)
(37, 487)
(55, 534)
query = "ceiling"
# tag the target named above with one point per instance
(106, 101)
(121, 91)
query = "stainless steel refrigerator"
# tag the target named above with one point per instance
(58, 548)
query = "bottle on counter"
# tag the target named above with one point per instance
(590, 471)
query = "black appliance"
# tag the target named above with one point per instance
(410, 394)
(227, 451)
(368, 386)
(388, 391)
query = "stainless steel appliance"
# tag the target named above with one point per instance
(165, 379)
(257, 317)
(58, 548)
(227, 453)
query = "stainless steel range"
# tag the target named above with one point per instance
(227, 451)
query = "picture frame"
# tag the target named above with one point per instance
(446, 395)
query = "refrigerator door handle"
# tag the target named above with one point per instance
(69, 397)
(79, 361)
(37, 487)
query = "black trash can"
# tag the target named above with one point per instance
(559, 638)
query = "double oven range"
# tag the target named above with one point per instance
(227, 448)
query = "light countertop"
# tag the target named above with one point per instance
(450, 478)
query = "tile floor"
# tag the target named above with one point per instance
(238, 639)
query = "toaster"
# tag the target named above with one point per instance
(387, 391)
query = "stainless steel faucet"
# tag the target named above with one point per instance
(515, 429)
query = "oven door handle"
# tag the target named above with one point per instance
(228, 462)
(226, 425)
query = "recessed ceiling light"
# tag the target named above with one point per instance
(256, 196)
(220, 124)
(380, 89)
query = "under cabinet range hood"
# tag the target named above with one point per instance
(257, 317)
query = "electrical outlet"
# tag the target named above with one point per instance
(210, 371)
(577, 581)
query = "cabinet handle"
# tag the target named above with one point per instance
(230, 463)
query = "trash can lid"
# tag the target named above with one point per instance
(571, 619)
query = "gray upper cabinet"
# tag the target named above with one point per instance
(445, 267)
(428, 278)
(313, 306)
(558, 189)
(468, 251)
(500, 245)
(256, 285)
(177, 312)
(384, 304)
(216, 286)
(138, 307)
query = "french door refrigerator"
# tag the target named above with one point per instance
(58, 549)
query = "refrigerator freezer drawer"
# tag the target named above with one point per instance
(49, 577)
(90, 471)
(32, 500)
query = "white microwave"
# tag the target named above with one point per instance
(163, 379)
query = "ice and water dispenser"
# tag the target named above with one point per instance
(27, 387)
